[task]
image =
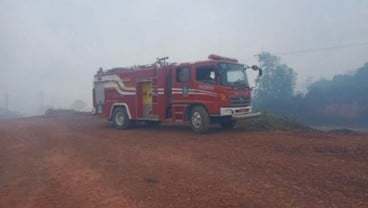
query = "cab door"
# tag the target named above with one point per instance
(181, 79)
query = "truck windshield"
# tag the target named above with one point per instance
(233, 75)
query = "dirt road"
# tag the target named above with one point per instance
(81, 161)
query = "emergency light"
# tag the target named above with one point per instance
(223, 58)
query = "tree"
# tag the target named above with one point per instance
(339, 100)
(275, 88)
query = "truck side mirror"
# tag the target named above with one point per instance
(255, 68)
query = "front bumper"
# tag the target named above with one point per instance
(238, 112)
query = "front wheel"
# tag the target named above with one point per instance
(121, 119)
(199, 120)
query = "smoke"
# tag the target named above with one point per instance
(55, 47)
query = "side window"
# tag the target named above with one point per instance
(182, 74)
(205, 74)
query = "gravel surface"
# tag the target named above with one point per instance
(82, 161)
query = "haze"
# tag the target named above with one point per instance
(52, 49)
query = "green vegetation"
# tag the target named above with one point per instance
(275, 90)
(340, 101)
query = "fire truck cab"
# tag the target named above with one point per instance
(204, 92)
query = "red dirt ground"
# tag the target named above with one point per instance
(81, 161)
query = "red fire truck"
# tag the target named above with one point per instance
(204, 92)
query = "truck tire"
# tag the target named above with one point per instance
(121, 119)
(228, 123)
(199, 120)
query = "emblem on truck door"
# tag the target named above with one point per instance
(185, 90)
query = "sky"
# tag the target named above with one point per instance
(50, 50)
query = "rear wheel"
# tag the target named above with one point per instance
(227, 123)
(121, 119)
(199, 120)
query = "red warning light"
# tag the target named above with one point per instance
(222, 58)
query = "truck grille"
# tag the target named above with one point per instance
(239, 101)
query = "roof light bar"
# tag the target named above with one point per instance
(222, 58)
